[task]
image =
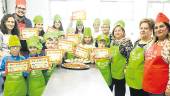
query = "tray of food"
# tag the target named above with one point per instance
(75, 66)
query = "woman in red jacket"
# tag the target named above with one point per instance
(157, 59)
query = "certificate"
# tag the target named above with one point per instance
(73, 37)
(50, 29)
(81, 52)
(101, 53)
(28, 32)
(79, 15)
(55, 55)
(17, 66)
(39, 63)
(66, 45)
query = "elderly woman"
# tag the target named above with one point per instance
(134, 70)
(157, 59)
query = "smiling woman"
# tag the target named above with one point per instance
(156, 66)
(8, 27)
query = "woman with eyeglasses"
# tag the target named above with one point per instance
(157, 59)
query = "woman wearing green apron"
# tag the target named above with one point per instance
(134, 70)
(15, 83)
(120, 49)
(36, 80)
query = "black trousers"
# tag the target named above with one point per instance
(120, 87)
(137, 92)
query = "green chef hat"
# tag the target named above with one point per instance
(120, 23)
(57, 17)
(106, 22)
(96, 21)
(14, 41)
(104, 37)
(79, 22)
(34, 41)
(87, 32)
(51, 35)
(38, 19)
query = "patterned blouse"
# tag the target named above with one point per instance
(125, 46)
(144, 45)
(166, 51)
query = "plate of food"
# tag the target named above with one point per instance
(75, 66)
(86, 61)
(69, 60)
(77, 60)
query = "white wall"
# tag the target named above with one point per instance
(128, 11)
(2, 4)
(131, 11)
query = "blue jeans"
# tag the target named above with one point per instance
(1, 83)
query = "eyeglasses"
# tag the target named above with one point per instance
(20, 8)
(160, 26)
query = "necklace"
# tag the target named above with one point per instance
(145, 42)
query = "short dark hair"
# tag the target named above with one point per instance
(116, 27)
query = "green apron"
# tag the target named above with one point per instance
(49, 72)
(104, 66)
(15, 85)
(118, 63)
(69, 55)
(36, 83)
(134, 70)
